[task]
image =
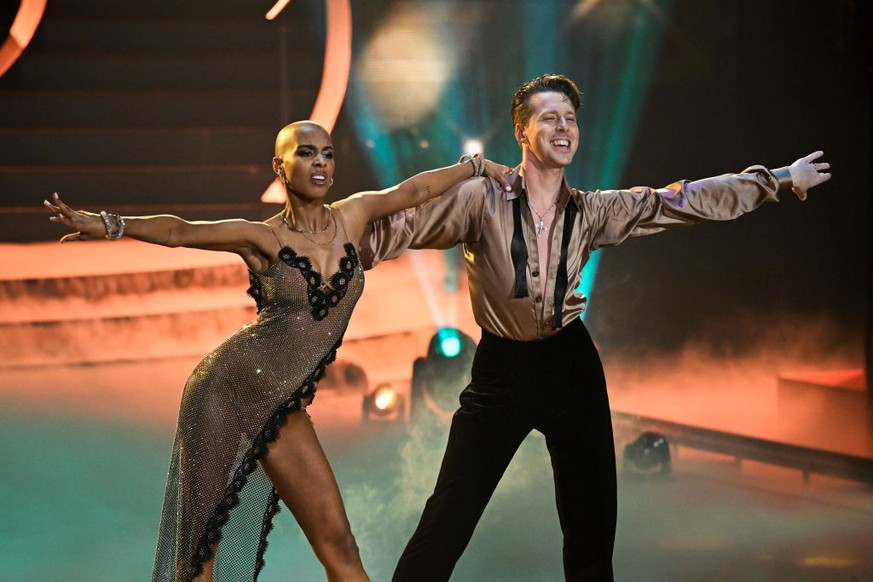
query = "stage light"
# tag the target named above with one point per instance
(439, 377)
(385, 399)
(448, 342)
(405, 65)
(384, 403)
(473, 146)
(648, 455)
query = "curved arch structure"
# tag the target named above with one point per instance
(337, 63)
(23, 27)
(334, 79)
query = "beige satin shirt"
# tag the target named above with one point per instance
(479, 214)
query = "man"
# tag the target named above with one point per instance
(536, 366)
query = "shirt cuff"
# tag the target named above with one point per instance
(783, 176)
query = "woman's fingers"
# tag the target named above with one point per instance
(63, 214)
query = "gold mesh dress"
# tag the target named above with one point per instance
(232, 407)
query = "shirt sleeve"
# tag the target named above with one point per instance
(615, 215)
(440, 223)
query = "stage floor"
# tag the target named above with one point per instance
(83, 476)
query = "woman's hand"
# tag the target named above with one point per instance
(87, 225)
(498, 173)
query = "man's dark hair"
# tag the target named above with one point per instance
(520, 110)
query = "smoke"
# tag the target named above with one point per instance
(711, 384)
(744, 387)
(385, 505)
(710, 518)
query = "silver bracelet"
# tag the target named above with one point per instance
(479, 164)
(119, 231)
(105, 216)
(119, 221)
(476, 161)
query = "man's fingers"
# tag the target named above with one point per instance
(822, 178)
(801, 194)
(814, 156)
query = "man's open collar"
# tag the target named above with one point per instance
(516, 180)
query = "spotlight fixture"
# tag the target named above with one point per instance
(439, 377)
(384, 403)
(648, 455)
(448, 342)
(472, 146)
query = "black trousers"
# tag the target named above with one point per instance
(557, 387)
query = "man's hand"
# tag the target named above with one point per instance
(805, 173)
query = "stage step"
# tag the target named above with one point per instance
(833, 405)
(190, 10)
(99, 302)
(138, 147)
(118, 186)
(119, 72)
(154, 107)
(138, 34)
(104, 302)
(158, 108)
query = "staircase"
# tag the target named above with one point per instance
(152, 107)
(101, 303)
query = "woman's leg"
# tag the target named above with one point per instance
(301, 474)
(206, 576)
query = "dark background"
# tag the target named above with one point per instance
(751, 83)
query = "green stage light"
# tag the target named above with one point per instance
(440, 376)
(449, 342)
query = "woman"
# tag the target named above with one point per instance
(243, 440)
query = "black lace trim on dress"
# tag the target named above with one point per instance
(221, 514)
(256, 290)
(273, 508)
(323, 296)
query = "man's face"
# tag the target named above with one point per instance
(551, 134)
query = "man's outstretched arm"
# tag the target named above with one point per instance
(805, 173)
(616, 215)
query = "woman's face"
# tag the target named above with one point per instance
(306, 157)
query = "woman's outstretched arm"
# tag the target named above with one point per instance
(247, 239)
(413, 191)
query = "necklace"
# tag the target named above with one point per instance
(306, 233)
(301, 230)
(541, 227)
